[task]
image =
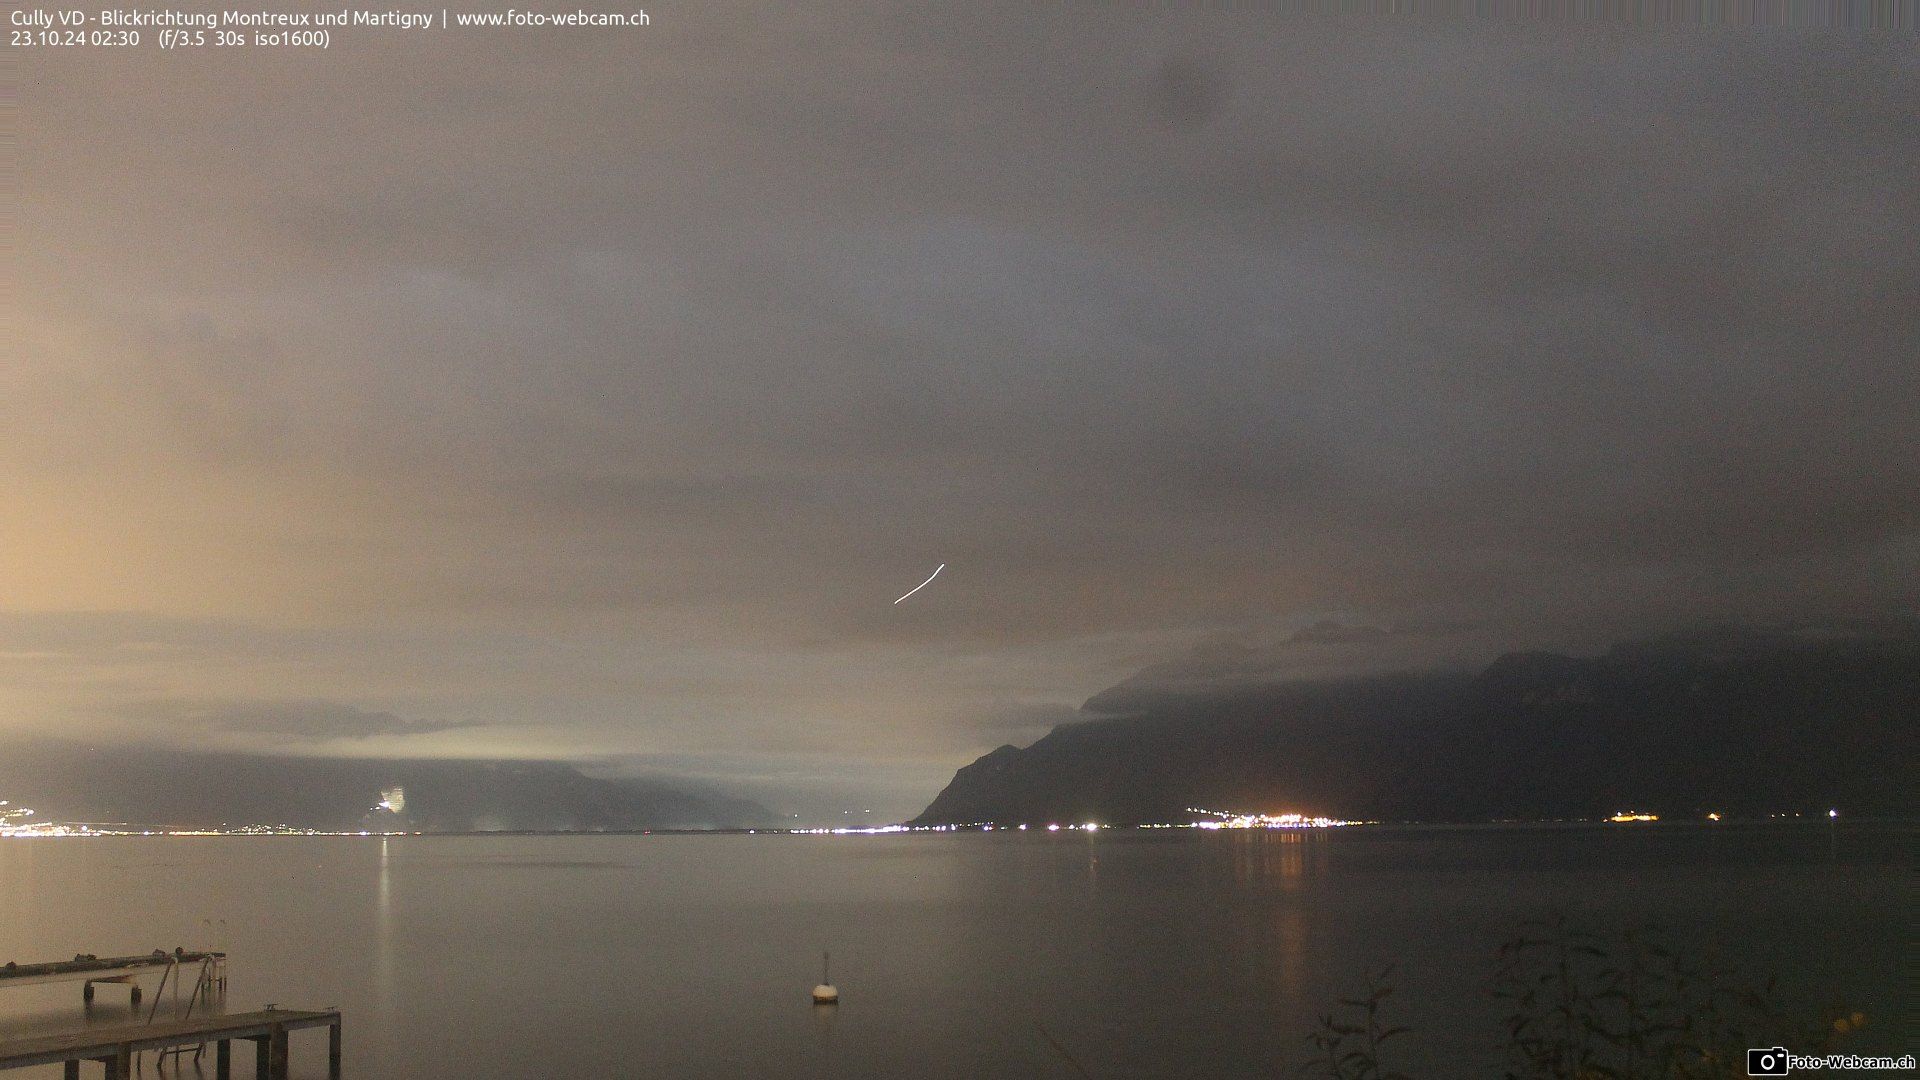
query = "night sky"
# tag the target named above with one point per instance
(592, 395)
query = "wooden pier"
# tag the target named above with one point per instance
(115, 1047)
(125, 970)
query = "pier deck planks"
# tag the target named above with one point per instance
(115, 1046)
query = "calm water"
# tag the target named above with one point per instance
(1144, 954)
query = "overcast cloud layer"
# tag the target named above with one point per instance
(592, 395)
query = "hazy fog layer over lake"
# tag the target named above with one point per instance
(1145, 954)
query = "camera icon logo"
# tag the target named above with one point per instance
(1771, 1062)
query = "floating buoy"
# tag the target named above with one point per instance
(825, 993)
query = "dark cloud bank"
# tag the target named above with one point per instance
(1732, 722)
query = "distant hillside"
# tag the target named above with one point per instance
(187, 789)
(1746, 723)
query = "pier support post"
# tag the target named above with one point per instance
(333, 1050)
(277, 1054)
(259, 1056)
(72, 1070)
(120, 1065)
(223, 1060)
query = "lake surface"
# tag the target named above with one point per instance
(1142, 953)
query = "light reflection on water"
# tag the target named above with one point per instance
(383, 949)
(1144, 954)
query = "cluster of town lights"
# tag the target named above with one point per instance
(20, 821)
(17, 821)
(1271, 821)
(865, 831)
(1217, 819)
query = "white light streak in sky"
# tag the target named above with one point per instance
(924, 584)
